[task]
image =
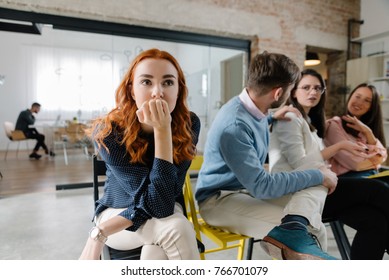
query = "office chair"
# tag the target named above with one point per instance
(99, 170)
(14, 136)
(224, 240)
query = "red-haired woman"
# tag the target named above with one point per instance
(147, 142)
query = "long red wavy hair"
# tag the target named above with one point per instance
(124, 116)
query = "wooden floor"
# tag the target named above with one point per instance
(23, 175)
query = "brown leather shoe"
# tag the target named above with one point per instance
(279, 251)
(287, 244)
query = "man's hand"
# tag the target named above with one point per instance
(280, 113)
(330, 179)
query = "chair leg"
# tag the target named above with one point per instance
(250, 247)
(17, 150)
(86, 151)
(250, 244)
(341, 239)
(105, 255)
(202, 251)
(241, 249)
(65, 153)
(6, 152)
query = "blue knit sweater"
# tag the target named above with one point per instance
(234, 154)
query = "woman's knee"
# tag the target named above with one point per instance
(177, 226)
(182, 224)
(366, 218)
(153, 252)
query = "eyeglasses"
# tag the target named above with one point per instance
(317, 89)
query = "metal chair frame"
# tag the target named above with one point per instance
(224, 240)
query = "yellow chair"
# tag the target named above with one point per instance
(224, 240)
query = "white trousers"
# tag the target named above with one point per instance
(170, 238)
(239, 212)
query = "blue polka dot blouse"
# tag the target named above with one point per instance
(145, 190)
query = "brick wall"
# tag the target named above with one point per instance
(285, 26)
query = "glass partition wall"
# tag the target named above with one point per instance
(74, 75)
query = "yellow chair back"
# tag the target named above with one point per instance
(223, 240)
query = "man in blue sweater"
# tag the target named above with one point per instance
(234, 191)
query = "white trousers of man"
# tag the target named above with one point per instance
(239, 212)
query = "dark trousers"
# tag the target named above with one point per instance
(40, 139)
(362, 204)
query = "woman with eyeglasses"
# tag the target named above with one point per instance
(297, 145)
(360, 203)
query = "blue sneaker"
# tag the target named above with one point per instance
(287, 244)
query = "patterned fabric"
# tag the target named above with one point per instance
(146, 191)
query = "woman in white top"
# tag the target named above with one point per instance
(298, 145)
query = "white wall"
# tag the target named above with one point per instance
(375, 15)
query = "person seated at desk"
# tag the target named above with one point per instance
(23, 123)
